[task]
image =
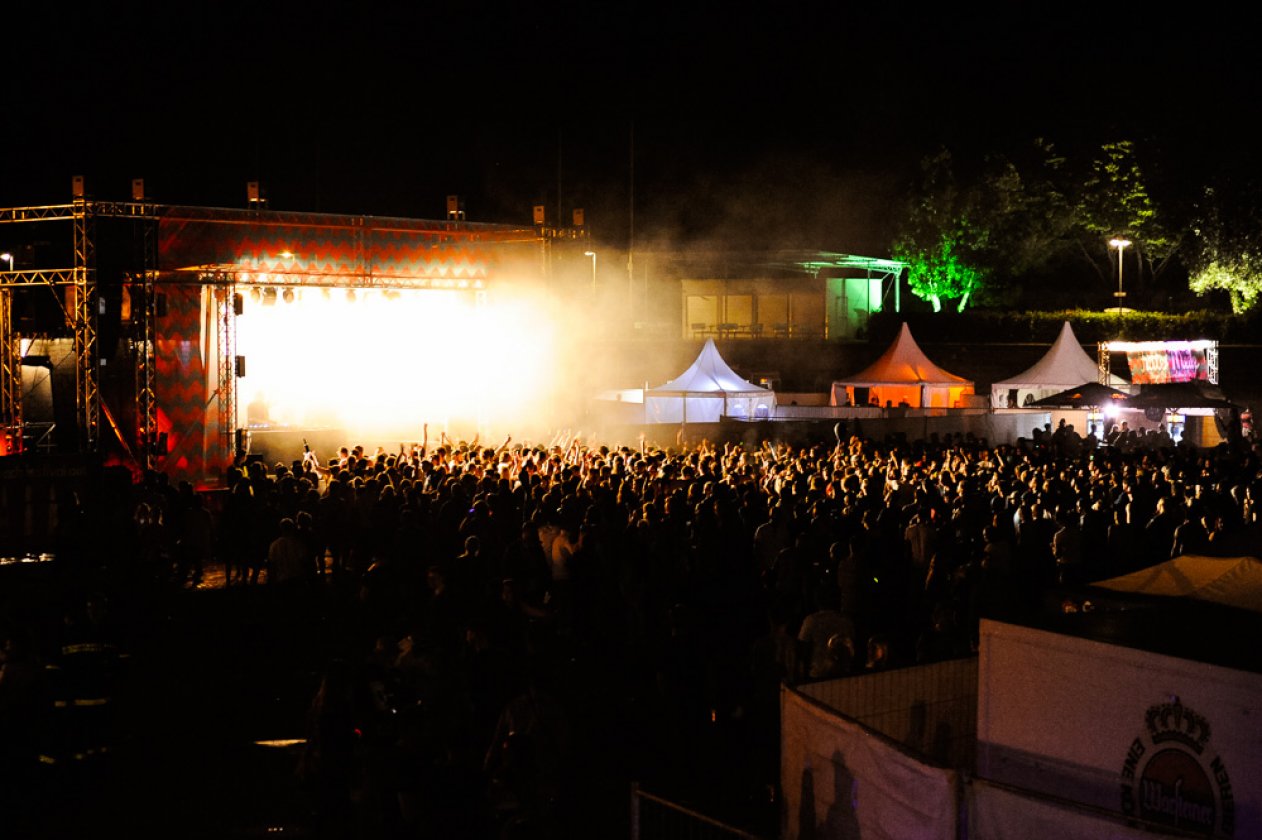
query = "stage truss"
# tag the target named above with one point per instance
(80, 315)
(336, 252)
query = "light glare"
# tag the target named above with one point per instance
(381, 368)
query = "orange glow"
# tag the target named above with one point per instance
(383, 363)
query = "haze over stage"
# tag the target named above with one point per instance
(381, 364)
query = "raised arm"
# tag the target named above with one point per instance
(503, 446)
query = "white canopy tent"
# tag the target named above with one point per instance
(706, 391)
(904, 373)
(1232, 581)
(1065, 365)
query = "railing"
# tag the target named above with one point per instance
(848, 412)
(731, 330)
(41, 437)
(655, 817)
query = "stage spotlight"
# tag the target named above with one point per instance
(269, 296)
(288, 295)
(326, 293)
(255, 294)
(350, 295)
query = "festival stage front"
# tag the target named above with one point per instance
(180, 321)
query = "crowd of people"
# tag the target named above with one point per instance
(484, 588)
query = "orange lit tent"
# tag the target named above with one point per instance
(904, 373)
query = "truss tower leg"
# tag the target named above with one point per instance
(224, 295)
(87, 393)
(11, 431)
(146, 360)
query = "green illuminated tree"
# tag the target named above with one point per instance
(939, 242)
(1028, 212)
(968, 239)
(1240, 277)
(1113, 201)
(938, 271)
(982, 230)
(1225, 244)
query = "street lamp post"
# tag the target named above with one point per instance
(7, 257)
(1119, 243)
(592, 254)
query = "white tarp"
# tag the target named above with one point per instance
(708, 390)
(1167, 740)
(997, 814)
(1065, 365)
(839, 780)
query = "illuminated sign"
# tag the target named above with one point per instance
(1171, 363)
(1161, 362)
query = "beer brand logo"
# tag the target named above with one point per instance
(1172, 777)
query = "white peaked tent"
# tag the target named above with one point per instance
(706, 391)
(1065, 365)
(904, 373)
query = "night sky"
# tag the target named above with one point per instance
(785, 125)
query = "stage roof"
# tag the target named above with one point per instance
(310, 249)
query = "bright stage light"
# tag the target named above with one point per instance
(388, 364)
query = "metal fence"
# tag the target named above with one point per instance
(656, 818)
(930, 709)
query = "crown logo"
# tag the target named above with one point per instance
(1176, 722)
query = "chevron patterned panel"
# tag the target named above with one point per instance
(181, 382)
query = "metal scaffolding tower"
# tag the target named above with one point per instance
(227, 304)
(83, 322)
(81, 313)
(219, 250)
(10, 374)
(145, 301)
